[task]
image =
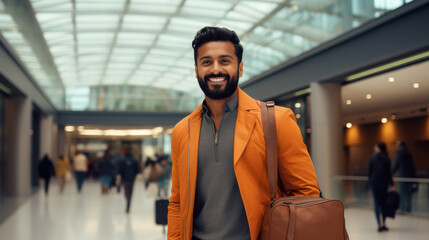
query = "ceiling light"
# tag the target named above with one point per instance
(69, 128)
(391, 79)
(368, 96)
(416, 85)
(384, 120)
(295, 7)
(298, 116)
(393, 117)
(297, 105)
(308, 130)
(80, 128)
(348, 102)
(349, 125)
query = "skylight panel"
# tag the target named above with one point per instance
(53, 38)
(135, 39)
(117, 79)
(120, 65)
(129, 58)
(99, 5)
(141, 80)
(149, 66)
(51, 5)
(261, 7)
(239, 27)
(95, 38)
(15, 38)
(189, 25)
(144, 72)
(129, 51)
(7, 23)
(237, 16)
(97, 22)
(211, 4)
(172, 76)
(143, 22)
(165, 52)
(155, 6)
(154, 59)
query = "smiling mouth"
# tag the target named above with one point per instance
(218, 79)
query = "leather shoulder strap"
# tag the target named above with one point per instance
(270, 134)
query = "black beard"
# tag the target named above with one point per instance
(217, 93)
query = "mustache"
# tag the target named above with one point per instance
(206, 77)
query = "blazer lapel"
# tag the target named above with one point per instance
(195, 128)
(246, 119)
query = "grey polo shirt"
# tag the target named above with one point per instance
(218, 211)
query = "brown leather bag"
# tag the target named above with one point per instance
(296, 218)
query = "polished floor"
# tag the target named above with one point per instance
(90, 215)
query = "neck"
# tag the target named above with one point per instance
(216, 106)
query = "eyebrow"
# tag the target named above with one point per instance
(221, 56)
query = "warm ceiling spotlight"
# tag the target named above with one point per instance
(297, 105)
(349, 125)
(80, 128)
(69, 128)
(393, 117)
(298, 116)
(384, 120)
(391, 79)
(368, 96)
(348, 102)
(416, 85)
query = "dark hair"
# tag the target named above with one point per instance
(210, 34)
(382, 147)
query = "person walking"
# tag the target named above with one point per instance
(127, 172)
(380, 178)
(80, 164)
(403, 164)
(105, 168)
(62, 168)
(46, 171)
(220, 187)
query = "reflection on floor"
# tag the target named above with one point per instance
(90, 215)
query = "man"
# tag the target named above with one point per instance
(219, 174)
(127, 172)
(403, 163)
(46, 171)
(80, 164)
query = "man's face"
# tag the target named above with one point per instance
(217, 69)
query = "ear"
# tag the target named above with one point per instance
(196, 71)
(240, 69)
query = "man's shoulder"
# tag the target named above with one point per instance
(182, 126)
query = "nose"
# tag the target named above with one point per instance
(216, 68)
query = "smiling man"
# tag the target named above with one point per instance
(220, 185)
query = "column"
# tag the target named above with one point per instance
(46, 136)
(18, 153)
(326, 136)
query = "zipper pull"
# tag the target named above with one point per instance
(216, 138)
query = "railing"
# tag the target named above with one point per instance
(356, 193)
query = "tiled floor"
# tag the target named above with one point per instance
(90, 215)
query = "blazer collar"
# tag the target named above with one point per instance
(247, 114)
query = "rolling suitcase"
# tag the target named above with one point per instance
(161, 211)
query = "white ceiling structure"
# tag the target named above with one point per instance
(401, 93)
(137, 54)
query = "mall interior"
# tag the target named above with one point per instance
(95, 75)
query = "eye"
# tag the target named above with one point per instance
(225, 61)
(205, 62)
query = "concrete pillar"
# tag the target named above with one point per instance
(46, 136)
(18, 154)
(326, 136)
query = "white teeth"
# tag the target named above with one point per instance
(216, 79)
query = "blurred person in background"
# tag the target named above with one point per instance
(46, 171)
(403, 164)
(80, 165)
(62, 168)
(164, 181)
(380, 178)
(127, 172)
(105, 168)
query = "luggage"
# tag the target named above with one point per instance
(161, 211)
(296, 218)
(391, 204)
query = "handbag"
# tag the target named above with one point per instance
(296, 218)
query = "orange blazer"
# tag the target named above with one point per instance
(296, 170)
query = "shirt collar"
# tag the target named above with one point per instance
(230, 106)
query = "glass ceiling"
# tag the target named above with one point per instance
(136, 54)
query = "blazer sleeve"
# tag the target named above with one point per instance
(174, 205)
(296, 169)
